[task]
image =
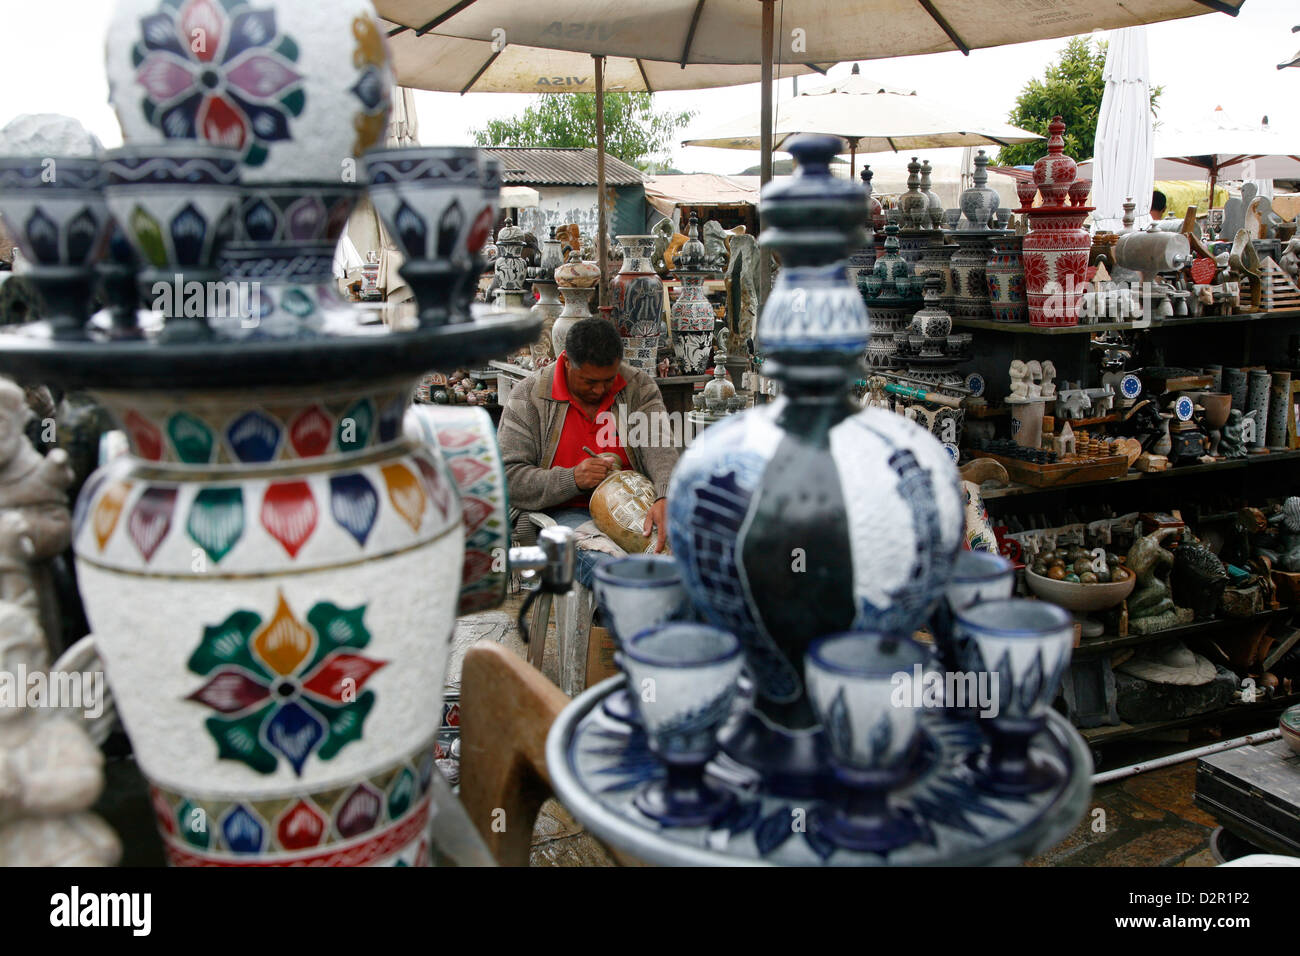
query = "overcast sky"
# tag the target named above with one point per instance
(53, 56)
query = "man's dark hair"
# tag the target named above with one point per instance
(1158, 201)
(594, 341)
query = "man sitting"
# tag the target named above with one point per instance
(575, 404)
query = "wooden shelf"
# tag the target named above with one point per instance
(1016, 490)
(1024, 328)
(1096, 736)
(1094, 647)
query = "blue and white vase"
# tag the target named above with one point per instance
(808, 516)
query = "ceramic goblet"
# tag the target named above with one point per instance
(1026, 645)
(683, 680)
(176, 203)
(53, 208)
(435, 204)
(870, 733)
(635, 593)
(976, 576)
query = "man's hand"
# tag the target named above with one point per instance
(588, 474)
(658, 518)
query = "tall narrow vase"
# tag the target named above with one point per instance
(638, 296)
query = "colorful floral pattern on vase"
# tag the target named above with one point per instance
(467, 438)
(265, 77)
(692, 317)
(219, 431)
(970, 289)
(759, 482)
(380, 820)
(638, 296)
(308, 563)
(1055, 262)
(1005, 274)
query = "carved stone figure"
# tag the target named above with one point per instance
(742, 286)
(35, 525)
(715, 245)
(664, 234)
(1150, 606)
(1232, 444)
(50, 770)
(1290, 261)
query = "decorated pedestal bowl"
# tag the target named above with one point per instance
(1081, 598)
(53, 207)
(273, 572)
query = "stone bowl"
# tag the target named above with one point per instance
(1289, 724)
(1080, 598)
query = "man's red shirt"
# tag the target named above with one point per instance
(580, 430)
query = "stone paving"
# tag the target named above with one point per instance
(1147, 820)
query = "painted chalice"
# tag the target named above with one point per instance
(871, 735)
(1026, 645)
(635, 593)
(683, 680)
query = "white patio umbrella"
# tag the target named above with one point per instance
(1223, 149)
(745, 31)
(427, 60)
(1122, 153)
(871, 118)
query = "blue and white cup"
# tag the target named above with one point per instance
(871, 733)
(1025, 646)
(682, 680)
(635, 593)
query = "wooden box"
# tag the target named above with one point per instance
(1254, 791)
(1061, 472)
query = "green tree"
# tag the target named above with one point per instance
(634, 131)
(1072, 88)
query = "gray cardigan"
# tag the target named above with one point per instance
(532, 421)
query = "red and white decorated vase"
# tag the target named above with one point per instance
(1056, 247)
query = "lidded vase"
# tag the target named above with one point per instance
(875, 492)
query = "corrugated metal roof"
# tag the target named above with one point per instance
(560, 166)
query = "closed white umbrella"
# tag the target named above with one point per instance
(871, 118)
(1123, 150)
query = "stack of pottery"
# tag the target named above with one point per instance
(273, 571)
(638, 296)
(915, 232)
(1056, 248)
(878, 495)
(862, 258)
(892, 295)
(548, 307)
(974, 237)
(576, 281)
(692, 317)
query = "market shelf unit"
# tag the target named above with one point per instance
(1204, 493)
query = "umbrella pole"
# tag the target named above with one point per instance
(1214, 176)
(602, 243)
(853, 158)
(765, 135)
